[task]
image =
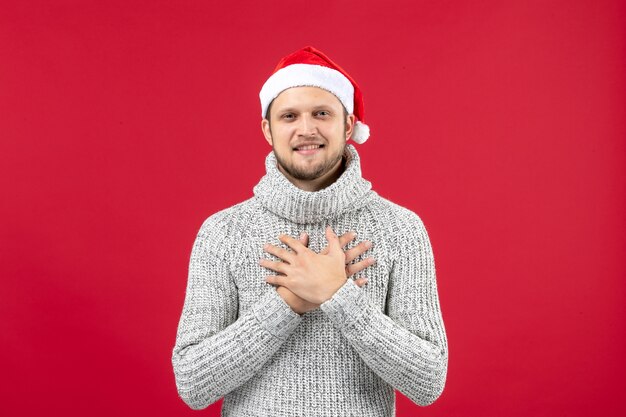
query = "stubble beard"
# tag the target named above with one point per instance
(310, 173)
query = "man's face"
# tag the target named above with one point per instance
(308, 132)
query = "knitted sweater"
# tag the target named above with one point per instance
(238, 339)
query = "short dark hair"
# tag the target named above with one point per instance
(268, 116)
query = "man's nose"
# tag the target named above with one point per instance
(307, 125)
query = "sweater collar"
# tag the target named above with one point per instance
(349, 192)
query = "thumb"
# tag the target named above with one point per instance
(333, 240)
(304, 238)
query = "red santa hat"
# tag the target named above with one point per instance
(310, 67)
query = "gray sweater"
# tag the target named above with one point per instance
(238, 339)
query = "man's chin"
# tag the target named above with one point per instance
(305, 170)
(305, 175)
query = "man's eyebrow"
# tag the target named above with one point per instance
(323, 106)
(285, 109)
(292, 109)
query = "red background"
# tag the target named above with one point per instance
(125, 124)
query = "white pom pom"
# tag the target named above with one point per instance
(361, 132)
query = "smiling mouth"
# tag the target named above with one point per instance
(308, 147)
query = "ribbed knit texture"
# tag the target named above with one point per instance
(238, 339)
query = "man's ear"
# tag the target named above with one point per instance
(350, 121)
(265, 127)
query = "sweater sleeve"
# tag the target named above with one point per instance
(406, 345)
(216, 349)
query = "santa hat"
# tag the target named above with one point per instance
(310, 67)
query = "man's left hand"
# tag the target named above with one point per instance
(311, 276)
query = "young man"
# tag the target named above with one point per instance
(273, 320)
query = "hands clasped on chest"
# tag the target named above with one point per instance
(307, 278)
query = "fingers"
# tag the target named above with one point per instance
(343, 241)
(359, 266)
(281, 253)
(361, 281)
(304, 239)
(333, 241)
(276, 280)
(294, 244)
(358, 250)
(346, 238)
(277, 266)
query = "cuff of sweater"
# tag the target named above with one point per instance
(275, 315)
(346, 305)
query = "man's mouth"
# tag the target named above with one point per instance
(308, 149)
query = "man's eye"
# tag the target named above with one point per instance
(288, 116)
(323, 113)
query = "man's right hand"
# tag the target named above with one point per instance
(300, 305)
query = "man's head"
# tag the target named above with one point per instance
(310, 100)
(307, 127)
(310, 67)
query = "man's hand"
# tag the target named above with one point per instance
(300, 305)
(353, 253)
(311, 276)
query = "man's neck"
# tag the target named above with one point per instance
(318, 183)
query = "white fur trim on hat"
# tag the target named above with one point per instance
(301, 75)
